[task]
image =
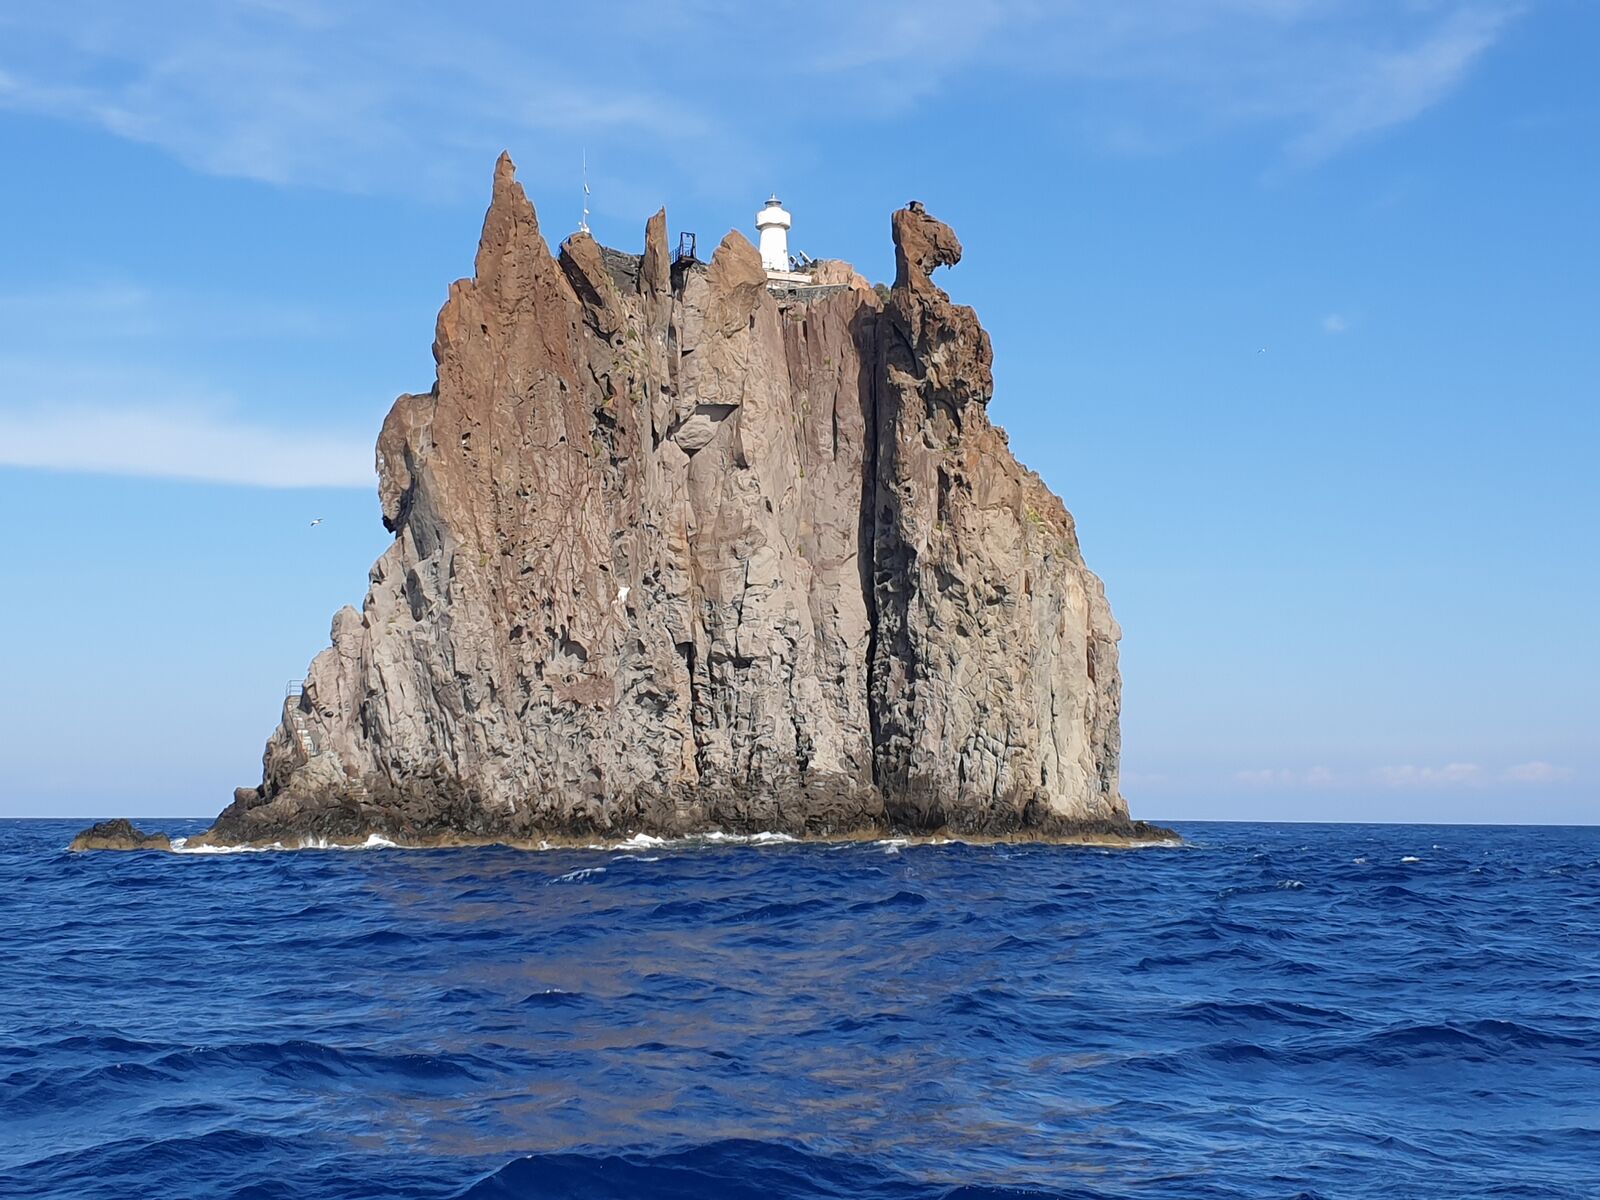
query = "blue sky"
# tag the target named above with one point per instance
(1356, 573)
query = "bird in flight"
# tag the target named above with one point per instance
(1263, 350)
(622, 594)
(317, 522)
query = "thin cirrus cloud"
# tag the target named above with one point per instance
(1405, 777)
(1280, 777)
(1456, 774)
(119, 310)
(324, 96)
(303, 92)
(95, 406)
(1538, 772)
(181, 444)
(1393, 85)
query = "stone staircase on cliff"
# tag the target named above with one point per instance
(297, 719)
(305, 739)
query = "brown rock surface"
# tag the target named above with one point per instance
(675, 553)
(119, 834)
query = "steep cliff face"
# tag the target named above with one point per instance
(675, 552)
(994, 675)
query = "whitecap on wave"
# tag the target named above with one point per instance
(745, 839)
(575, 876)
(180, 845)
(645, 841)
(641, 841)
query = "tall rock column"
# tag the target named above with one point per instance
(994, 682)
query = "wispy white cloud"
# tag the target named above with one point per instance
(182, 444)
(365, 96)
(1335, 323)
(1457, 774)
(1285, 777)
(1326, 73)
(1537, 772)
(105, 376)
(111, 309)
(1401, 777)
(358, 97)
(1390, 85)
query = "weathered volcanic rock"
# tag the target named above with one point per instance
(994, 681)
(119, 835)
(677, 552)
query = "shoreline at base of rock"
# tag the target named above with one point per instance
(1109, 834)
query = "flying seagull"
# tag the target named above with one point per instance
(1263, 350)
(317, 522)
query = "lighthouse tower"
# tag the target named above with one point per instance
(773, 224)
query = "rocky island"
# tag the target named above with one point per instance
(686, 546)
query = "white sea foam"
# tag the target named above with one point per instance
(646, 841)
(1290, 883)
(743, 839)
(1410, 858)
(641, 841)
(180, 845)
(575, 876)
(1360, 862)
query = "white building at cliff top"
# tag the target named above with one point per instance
(772, 226)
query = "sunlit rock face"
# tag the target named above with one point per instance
(676, 552)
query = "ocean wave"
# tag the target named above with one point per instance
(734, 1169)
(579, 875)
(553, 998)
(808, 1020)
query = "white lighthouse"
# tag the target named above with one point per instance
(773, 224)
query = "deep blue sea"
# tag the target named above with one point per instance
(1269, 1010)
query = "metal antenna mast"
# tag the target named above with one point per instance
(583, 223)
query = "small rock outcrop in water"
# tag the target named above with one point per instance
(677, 552)
(119, 835)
